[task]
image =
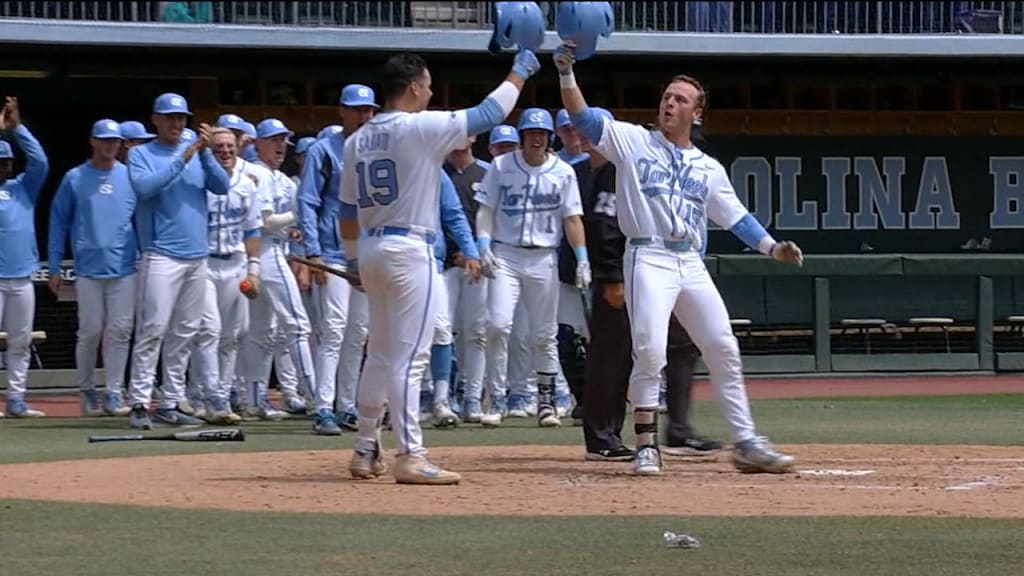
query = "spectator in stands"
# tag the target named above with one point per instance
(186, 11)
(19, 256)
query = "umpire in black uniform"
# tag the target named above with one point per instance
(609, 359)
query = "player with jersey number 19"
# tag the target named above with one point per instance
(667, 189)
(391, 183)
(95, 205)
(527, 199)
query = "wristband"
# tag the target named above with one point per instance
(581, 253)
(484, 243)
(252, 267)
(567, 80)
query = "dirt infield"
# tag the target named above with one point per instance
(842, 480)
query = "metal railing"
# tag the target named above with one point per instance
(765, 17)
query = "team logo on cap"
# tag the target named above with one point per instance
(232, 118)
(536, 117)
(363, 92)
(175, 101)
(276, 123)
(505, 131)
(111, 125)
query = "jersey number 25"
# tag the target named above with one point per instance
(382, 175)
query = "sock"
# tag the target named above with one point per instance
(368, 436)
(441, 370)
(645, 425)
(546, 389)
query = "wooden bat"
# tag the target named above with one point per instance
(212, 435)
(352, 278)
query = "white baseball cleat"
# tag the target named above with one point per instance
(490, 420)
(366, 464)
(758, 455)
(444, 417)
(418, 470)
(647, 461)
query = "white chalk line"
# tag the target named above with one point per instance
(899, 460)
(981, 482)
(836, 472)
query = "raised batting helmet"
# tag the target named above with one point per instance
(535, 119)
(580, 24)
(517, 25)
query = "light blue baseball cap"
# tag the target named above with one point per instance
(502, 134)
(171, 103)
(355, 95)
(535, 119)
(106, 129)
(271, 127)
(562, 119)
(329, 130)
(132, 130)
(188, 135)
(5, 151)
(231, 122)
(249, 129)
(303, 144)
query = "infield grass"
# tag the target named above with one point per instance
(93, 540)
(980, 419)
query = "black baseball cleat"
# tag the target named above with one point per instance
(692, 446)
(577, 415)
(620, 454)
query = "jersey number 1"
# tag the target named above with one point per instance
(382, 175)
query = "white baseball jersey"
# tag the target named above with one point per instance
(278, 198)
(392, 167)
(530, 203)
(666, 191)
(233, 214)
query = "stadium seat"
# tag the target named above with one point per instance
(38, 337)
(863, 326)
(1016, 324)
(742, 325)
(925, 322)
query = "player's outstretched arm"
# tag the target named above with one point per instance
(500, 103)
(586, 120)
(725, 209)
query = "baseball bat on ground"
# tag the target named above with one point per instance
(217, 435)
(325, 268)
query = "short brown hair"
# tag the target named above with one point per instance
(702, 96)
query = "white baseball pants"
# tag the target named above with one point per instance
(106, 310)
(279, 301)
(225, 321)
(522, 380)
(660, 282)
(170, 299)
(530, 276)
(400, 277)
(467, 310)
(17, 312)
(353, 348)
(332, 300)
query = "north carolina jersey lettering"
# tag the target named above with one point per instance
(391, 167)
(234, 214)
(667, 191)
(530, 203)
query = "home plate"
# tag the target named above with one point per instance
(836, 472)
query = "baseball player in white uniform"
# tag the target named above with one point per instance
(526, 200)
(392, 168)
(171, 177)
(279, 300)
(95, 206)
(234, 241)
(666, 190)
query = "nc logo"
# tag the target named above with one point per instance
(276, 123)
(505, 131)
(233, 119)
(536, 117)
(177, 102)
(5, 195)
(364, 92)
(106, 188)
(111, 125)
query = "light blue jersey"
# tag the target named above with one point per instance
(171, 216)
(319, 203)
(19, 256)
(454, 224)
(96, 207)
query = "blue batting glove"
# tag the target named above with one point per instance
(525, 64)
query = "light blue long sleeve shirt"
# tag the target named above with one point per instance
(171, 215)
(97, 208)
(19, 255)
(319, 203)
(454, 222)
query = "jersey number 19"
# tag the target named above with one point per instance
(383, 176)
